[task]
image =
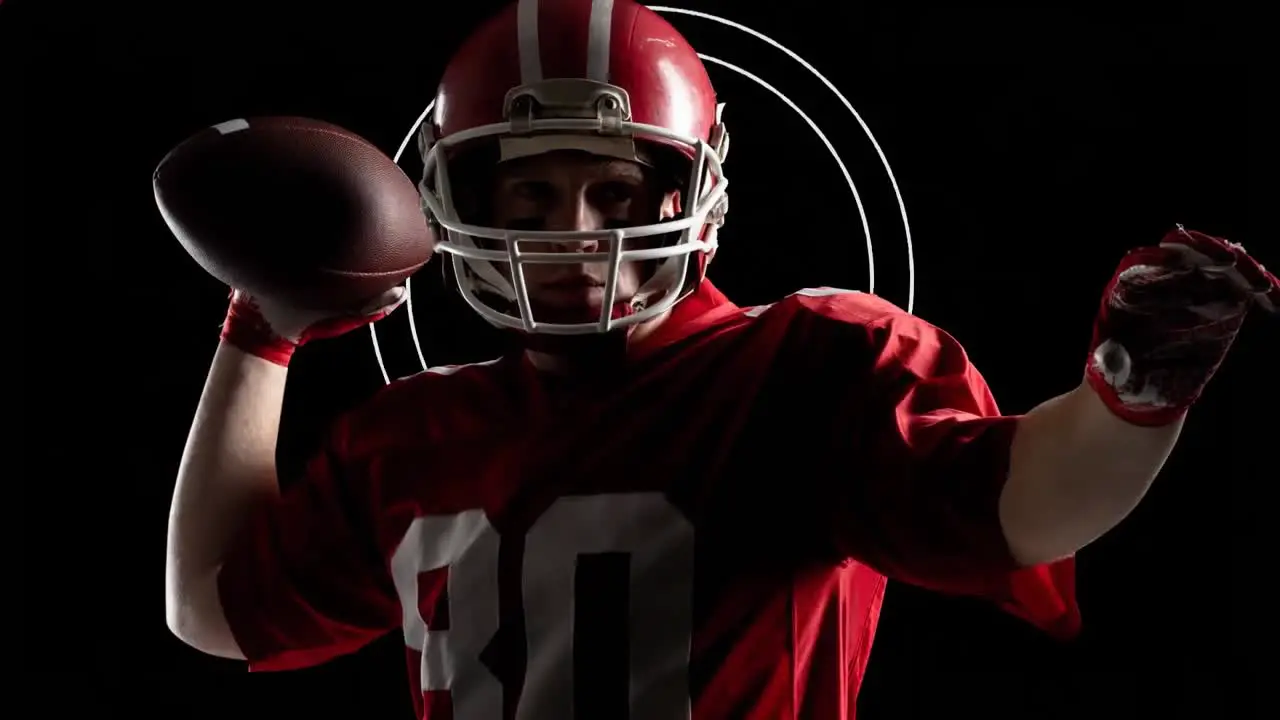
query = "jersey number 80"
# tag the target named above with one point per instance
(657, 542)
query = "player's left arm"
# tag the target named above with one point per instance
(1081, 462)
(940, 489)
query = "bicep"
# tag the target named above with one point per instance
(304, 582)
(921, 501)
(925, 454)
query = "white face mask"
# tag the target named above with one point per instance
(475, 268)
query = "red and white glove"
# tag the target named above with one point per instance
(1168, 318)
(273, 331)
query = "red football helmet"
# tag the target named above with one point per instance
(609, 77)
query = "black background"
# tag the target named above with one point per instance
(1032, 148)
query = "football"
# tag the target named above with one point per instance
(294, 209)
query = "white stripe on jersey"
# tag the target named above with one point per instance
(758, 310)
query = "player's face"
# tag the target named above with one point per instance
(576, 191)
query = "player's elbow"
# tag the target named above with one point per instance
(204, 636)
(180, 623)
(193, 613)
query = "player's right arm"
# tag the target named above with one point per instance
(229, 525)
(227, 470)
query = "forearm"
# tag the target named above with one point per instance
(227, 469)
(1076, 471)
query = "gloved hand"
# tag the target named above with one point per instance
(1168, 318)
(273, 330)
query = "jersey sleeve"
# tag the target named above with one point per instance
(304, 582)
(928, 451)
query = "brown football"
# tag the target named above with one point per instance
(293, 209)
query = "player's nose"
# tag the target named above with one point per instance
(576, 216)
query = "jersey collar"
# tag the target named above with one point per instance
(705, 308)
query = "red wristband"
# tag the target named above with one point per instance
(246, 329)
(1144, 416)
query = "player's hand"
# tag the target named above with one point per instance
(273, 330)
(1167, 319)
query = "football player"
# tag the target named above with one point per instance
(663, 505)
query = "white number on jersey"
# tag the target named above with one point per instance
(656, 539)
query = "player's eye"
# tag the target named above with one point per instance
(533, 191)
(529, 223)
(614, 193)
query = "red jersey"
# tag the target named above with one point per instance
(707, 535)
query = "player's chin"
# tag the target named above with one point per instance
(569, 303)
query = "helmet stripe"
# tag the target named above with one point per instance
(600, 29)
(527, 31)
